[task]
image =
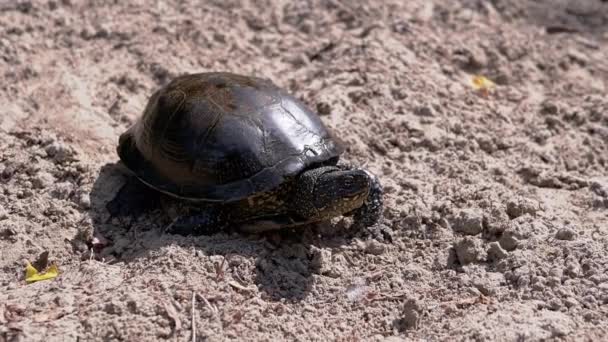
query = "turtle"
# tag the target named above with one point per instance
(234, 151)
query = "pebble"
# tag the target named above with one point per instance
(496, 252)
(489, 283)
(321, 260)
(42, 180)
(62, 190)
(132, 304)
(600, 188)
(84, 201)
(468, 221)
(411, 313)
(549, 107)
(59, 152)
(566, 233)
(425, 110)
(520, 206)
(9, 171)
(323, 108)
(469, 250)
(374, 247)
(3, 213)
(496, 221)
(570, 302)
(508, 241)
(113, 308)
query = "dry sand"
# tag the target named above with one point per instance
(495, 226)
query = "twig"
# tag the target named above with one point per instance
(170, 225)
(172, 314)
(239, 286)
(211, 308)
(193, 319)
(219, 270)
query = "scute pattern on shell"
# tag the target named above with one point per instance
(223, 137)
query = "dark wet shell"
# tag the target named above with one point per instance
(223, 137)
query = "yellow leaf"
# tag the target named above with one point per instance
(30, 271)
(32, 275)
(481, 83)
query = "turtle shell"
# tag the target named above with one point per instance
(223, 137)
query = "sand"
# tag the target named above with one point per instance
(495, 226)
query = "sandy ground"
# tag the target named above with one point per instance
(495, 225)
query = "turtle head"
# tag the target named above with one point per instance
(326, 192)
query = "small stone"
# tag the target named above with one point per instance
(374, 247)
(113, 308)
(64, 300)
(84, 201)
(508, 241)
(557, 330)
(496, 221)
(600, 188)
(486, 144)
(489, 283)
(9, 171)
(323, 108)
(566, 233)
(477, 58)
(8, 234)
(471, 58)
(414, 272)
(62, 190)
(132, 306)
(495, 252)
(425, 110)
(43, 180)
(59, 152)
(549, 107)
(321, 260)
(578, 57)
(469, 250)
(591, 316)
(468, 221)
(411, 314)
(79, 246)
(520, 206)
(570, 302)
(219, 37)
(3, 213)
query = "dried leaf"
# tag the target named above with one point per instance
(32, 274)
(482, 84)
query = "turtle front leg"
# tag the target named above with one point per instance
(371, 211)
(207, 220)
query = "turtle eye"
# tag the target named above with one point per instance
(348, 180)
